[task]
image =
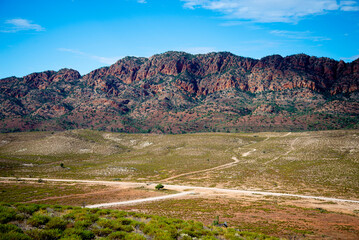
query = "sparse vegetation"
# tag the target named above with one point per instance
(64, 222)
(272, 217)
(321, 163)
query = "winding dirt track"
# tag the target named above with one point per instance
(289, 151)
(185, 190)
(224, 166)
(227, 165)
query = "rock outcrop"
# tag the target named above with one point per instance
(180, 92)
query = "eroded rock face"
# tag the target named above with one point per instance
(43, 79)
(177, 91)
(218, 71)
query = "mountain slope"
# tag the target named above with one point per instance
(178, 92)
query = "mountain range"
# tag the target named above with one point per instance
(177, 92)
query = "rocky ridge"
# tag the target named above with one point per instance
(178, 92)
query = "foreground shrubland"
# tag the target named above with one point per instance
(41, 222)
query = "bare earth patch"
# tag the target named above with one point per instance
(75, 194)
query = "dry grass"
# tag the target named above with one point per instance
(73, 194)
(318, 163)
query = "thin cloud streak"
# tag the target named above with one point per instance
(266, 11)
(199, 50)
(307, 35)
(351, 58)
(105, 60)
(349, 6)
(20, 24)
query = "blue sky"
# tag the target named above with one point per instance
(40, 35)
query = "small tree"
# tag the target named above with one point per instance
(159, 186)
(216, 221)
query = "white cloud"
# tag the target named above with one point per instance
(271, 10)
(105, 60)
(141, 1)
(349, 6)
(19, 24)
(306, 35)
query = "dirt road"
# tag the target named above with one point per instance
(151, 199)
(189, 190)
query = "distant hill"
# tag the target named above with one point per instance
(176, 92)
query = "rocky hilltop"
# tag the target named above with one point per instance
(177, 92)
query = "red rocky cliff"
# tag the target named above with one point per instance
(218, 71)
(180, 92)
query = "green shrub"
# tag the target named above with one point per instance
(6, 217)
(56, 223)
(191, 233)
(159, 186)
(211, 238)
(81, 233)
(83, 224)
(126, 221)
(125, 228)
(37, 220)
(186, 237)
(58, 208)
(103, 212)
(87, 235)
(163, 235)
(102, 232)
(115, 225)
(124, 235)
(71, 237)
(7, 214)
(216, 221)
(14, 236)
(48, 234)
(160, 229)
(117, 235)
(28, 209)
(105, 223)
(119, 214)
(69, 216)
(5, 228)
(135, 236)
(84, 216)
